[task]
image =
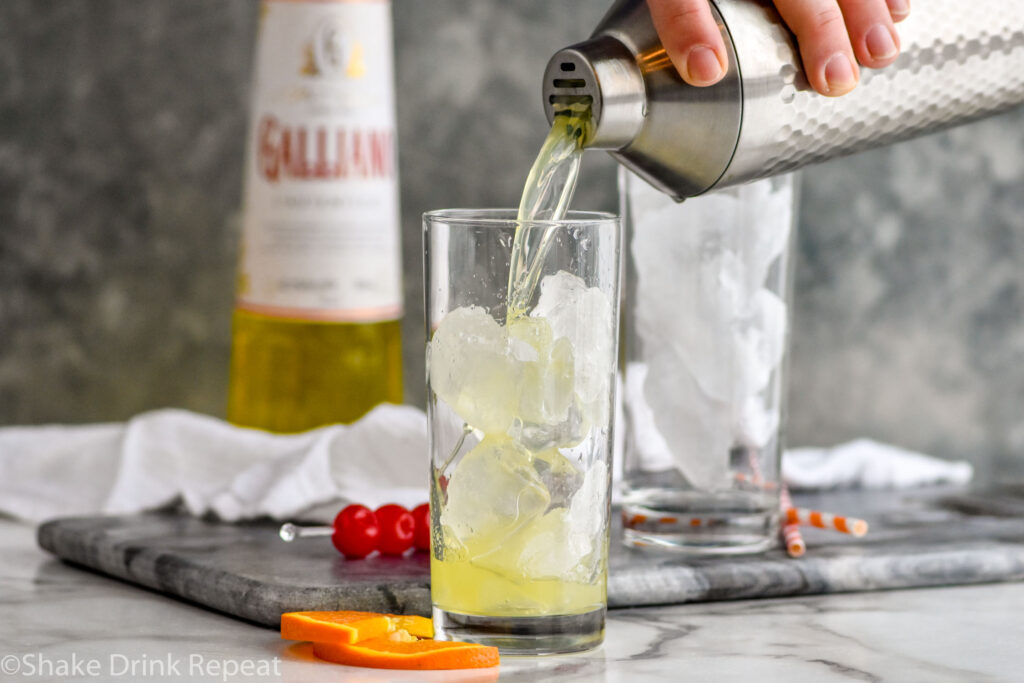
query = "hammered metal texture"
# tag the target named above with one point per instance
(960, 59)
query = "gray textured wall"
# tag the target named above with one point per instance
(910, 297)
(121, 130)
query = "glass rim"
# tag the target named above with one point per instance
(508, 218)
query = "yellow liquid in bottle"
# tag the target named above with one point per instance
(320, 235)
(294, 375)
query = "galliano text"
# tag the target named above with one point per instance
(323, 152)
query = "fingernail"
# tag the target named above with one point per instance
(703, 66)
(899, 8)
(880, 43)
(839, 74)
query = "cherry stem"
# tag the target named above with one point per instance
(466, 431)
(289, 532)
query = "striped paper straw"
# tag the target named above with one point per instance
(825, 520)
(795, 545)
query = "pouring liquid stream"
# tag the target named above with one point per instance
(546, 197)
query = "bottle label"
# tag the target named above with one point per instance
(320, 231)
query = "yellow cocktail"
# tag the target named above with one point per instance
(505, 548)
(520, 426)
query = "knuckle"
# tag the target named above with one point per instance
(684, 14)
(688, 24)
(685, 27)
(827, 20)
(687, 13)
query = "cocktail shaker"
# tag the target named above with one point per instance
(960, 60)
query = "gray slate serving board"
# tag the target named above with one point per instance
(926, 538)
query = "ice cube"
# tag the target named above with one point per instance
(756, 423)
(757, 346)
(583, 316)
(711, 331)
(472, 370)
(696, 427)
(680, 294)
(687, 296)
(729, 339)
(755, 408)
(493, 492)
(559, 474)
(647, 446)
(518, 380)
(765, 227)
(546, 383)
(565, 542)
(773, 321)
(590, 502)
(539, 436)
(548, 413)
(548, 550)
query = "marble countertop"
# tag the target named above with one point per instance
(61, 623)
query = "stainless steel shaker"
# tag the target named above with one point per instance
(960, 60)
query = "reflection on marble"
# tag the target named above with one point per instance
(950, 635)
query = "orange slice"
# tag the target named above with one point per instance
(350, 627)
(401, 651)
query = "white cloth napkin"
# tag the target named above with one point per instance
(210, 467)
(868, 464)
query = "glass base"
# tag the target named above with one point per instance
(552, 635)
(711, 529)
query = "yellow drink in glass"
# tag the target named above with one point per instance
(519, 407)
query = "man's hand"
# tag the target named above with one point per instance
(829, 32)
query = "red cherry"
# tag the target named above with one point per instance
(397, 528)
(356, 531)
(421, 536)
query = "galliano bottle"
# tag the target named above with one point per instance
(316, 324)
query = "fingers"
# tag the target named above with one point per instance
(898, 9)
(825, 47)
(834, 35)
(691, 38)
(871, 30)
